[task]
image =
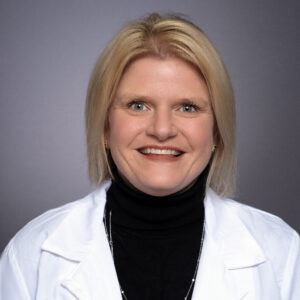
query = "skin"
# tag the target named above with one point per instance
(161, 103)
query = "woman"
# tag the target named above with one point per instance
(160, 136)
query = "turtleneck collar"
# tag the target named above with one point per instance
(136, 210)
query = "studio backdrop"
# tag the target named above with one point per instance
(47, 52)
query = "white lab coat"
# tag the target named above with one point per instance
(64, 254)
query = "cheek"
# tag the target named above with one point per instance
(123, 130)
(200, 134)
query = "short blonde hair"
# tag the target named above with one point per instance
(162, 36)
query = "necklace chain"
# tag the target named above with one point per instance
(110, 240)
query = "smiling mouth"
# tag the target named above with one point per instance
(148, 151)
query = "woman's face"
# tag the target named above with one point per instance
(161, 125)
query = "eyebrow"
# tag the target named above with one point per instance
(198, 100)
(132, 97)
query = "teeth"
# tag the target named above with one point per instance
(160, 151)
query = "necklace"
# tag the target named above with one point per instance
(110, 240)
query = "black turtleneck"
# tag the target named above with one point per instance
(156, 240)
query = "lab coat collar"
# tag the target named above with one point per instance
(77, 233)
(224, 223)
(88, 271)
(79, 239)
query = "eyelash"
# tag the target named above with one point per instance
(190, 104)
(130, 105)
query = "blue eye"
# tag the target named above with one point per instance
(138, 106)
(189, 108)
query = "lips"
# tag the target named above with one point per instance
(160, 151)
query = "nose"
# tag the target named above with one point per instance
(162, 125)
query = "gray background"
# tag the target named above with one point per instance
(48, 49)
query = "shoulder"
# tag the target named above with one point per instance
(264, 226)
(259, 223)
(34, 233)
(26, 244)
(278, 242)
(22, 255)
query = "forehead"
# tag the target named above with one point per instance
(162, 77)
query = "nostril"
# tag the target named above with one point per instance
(163, 133)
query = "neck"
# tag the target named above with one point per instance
(135, 209)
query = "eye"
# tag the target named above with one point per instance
(189, 107)
(137, 105)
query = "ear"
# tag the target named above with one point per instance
(215, 137)
(106, 133)
(106, 139)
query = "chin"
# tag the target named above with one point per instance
(160, 193)
(160, 189)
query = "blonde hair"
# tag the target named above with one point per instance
(162, 36)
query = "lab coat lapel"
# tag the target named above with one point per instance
(211, 279)
(87, 270)
(88, 273)
(95, 277)
(229, 252)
